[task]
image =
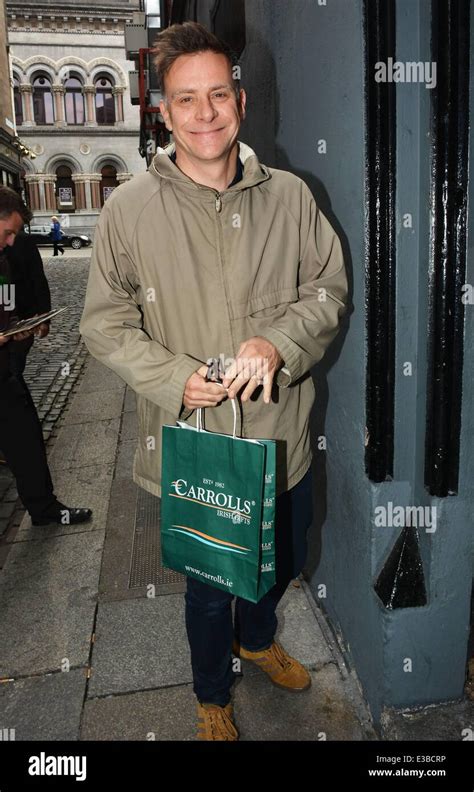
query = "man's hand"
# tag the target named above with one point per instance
(41, 330)
(257, 362)
(199, 393)
(4, 340)
(21, 336)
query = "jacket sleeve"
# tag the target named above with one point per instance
(33, 294)
(308, 326)
(112, 325)
(42, 296)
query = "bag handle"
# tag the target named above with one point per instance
(199, 421)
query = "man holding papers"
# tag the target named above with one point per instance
(24, 291)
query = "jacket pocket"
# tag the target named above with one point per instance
(270, 304)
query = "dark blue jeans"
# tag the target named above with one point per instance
(209, 613)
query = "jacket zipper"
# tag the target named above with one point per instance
(240, 418)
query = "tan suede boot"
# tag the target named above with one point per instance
(284, 671)
(215, 722)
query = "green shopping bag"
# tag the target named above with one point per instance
(218, 508)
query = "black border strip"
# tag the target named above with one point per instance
(447, 272)
(380, 228)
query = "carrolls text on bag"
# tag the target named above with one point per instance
(218, 508)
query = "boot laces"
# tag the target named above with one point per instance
(280, 656)
(220, 723)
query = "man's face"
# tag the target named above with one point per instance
(202, 109)
(9, 228)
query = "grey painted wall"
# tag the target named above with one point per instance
(304, 74)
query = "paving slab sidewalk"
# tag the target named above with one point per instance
(80, 664)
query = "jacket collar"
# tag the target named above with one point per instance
(239, 174)
(254, 172)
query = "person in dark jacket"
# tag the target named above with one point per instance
(57, 235)
(32, 295)
(24, 292)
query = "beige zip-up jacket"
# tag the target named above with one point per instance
(181, 273)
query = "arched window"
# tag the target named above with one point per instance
(17, 101)
(104, 101)
(43, 104)
(74, 101)
(65, 189)
(109, 182)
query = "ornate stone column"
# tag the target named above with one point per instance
(58, 93)
(118, 98)
(87, 190)
(26, 91)
(49, 180)
(124, 177)
(32, 181)
(42, 193)
(89, 93)
(95, 181)
(79, 180)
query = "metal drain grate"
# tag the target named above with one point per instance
(146, 565)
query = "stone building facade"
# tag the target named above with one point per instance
(10, 156)
(72, 104)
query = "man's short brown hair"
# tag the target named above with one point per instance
(188, 38)
(11, 202)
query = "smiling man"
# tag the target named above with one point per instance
(211, 254)
(206, 141)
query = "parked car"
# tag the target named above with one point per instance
(42, 235)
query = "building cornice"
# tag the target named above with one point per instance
(71, 9)
(29, 18)
(34, 131)
(71, 31)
